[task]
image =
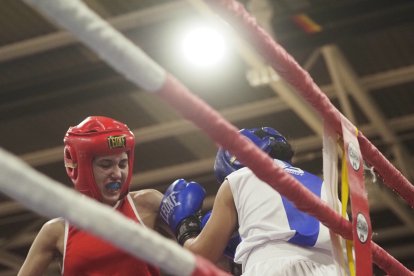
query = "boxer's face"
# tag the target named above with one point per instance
(110, 173)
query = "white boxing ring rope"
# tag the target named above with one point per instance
(52, 199)
(138, 68)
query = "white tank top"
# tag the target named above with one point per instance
(266, 217)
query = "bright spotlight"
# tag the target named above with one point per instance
(203, 46)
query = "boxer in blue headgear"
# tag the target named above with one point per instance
(276, 238)
(267, 139)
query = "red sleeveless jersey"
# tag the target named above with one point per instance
(88, 255)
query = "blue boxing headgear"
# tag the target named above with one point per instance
(265, 138)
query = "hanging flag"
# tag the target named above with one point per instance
(306, 23)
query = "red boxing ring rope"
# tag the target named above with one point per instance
(142, 71)
(228, 137)
(288, 68)
(224, 133)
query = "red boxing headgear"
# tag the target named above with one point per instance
(96, 136)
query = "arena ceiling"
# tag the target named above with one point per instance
(359, 52)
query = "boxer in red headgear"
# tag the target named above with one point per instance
(99, 157)
(96, 136)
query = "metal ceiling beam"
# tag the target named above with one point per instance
(131, 20)
(22, 240)
(390, 233)
(169, 129)
(263, 12)
(22, 236)
(152, 106)
(8, 273)
(301, 145)
(123, 22)
(201, 166)
(370, 84)
(388, 78)
(345, 79)
(53, 269)
(10, 207)
(395, 204)
(338, 85)
(401, 251)
(10, 260)
(363, 99)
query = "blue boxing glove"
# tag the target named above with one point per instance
(234, 241)
(180, 207)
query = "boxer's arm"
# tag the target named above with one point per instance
(234, 241)
(213, 239)
(147, 203)
(44, 249)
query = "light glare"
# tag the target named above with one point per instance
(203, 46)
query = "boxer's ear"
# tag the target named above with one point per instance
(71, 164)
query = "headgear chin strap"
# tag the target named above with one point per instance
(264, 138)
(96, 136)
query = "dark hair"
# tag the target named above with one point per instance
(281, 150)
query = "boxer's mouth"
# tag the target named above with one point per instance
(113, 186)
